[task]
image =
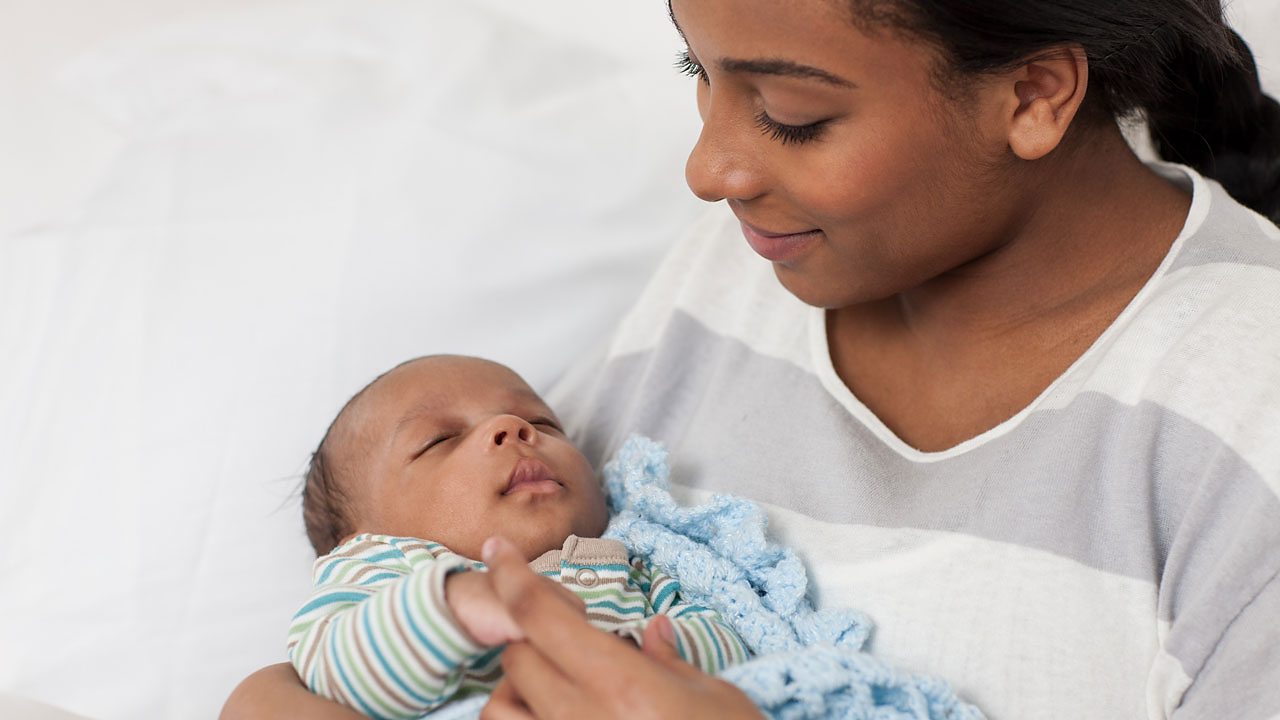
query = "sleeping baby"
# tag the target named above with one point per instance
(415, 473)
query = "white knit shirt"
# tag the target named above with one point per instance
(1111, 551)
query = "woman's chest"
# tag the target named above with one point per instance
(1020, 632)
(934, 397)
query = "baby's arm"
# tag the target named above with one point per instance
(702, 637)
(377, 634)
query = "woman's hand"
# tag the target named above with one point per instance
(276, 692)
(481, 614)
(565, 668)
(476, 605)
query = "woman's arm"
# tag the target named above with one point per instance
(276, 692)
(566, 668)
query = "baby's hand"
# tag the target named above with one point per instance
(474, 603)
(476, 606)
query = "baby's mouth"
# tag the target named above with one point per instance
(531, 475)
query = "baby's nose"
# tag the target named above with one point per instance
(509, 427)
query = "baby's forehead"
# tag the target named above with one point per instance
(426, 388)
(448, 384)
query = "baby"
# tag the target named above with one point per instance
(416, 472)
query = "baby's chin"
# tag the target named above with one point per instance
(535, 547)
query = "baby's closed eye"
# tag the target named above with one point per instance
(433, 442)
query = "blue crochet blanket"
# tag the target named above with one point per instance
(809, 663)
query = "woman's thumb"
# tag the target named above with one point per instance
(659, 642)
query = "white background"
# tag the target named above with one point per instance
(219, 219)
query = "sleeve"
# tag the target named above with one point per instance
(1219, 592)
(376, 634)
(703, 638)
(1241, 678)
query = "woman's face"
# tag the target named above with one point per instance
(841, 142)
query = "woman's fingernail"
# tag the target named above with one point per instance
(489, 549)
(667, 631)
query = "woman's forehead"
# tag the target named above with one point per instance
(784, 19)
(816, 34)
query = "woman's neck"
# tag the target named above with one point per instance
(965, 351)
(1096, 223)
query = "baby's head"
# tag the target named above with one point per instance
(451, 449)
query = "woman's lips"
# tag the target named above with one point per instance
(532, 476)
(779, 247)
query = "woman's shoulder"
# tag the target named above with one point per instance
(1201, 342)
(712, 306)
(1222, 233)
(711, 284)
(1213, 308)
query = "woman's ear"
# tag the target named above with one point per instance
(1045, 95)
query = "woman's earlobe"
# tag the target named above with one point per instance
(1049, 92)
(1036, 131)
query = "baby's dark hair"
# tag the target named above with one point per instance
(328, 512)
(326, 508)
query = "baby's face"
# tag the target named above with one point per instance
(458, 449)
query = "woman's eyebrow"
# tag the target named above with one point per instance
(785, 68)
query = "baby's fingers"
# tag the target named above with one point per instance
(479, 611)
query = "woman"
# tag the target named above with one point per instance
(1012, 391)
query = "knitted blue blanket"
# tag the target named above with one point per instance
(809, 663)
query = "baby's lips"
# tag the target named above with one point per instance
(528, 470)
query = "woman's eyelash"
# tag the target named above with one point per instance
(686, 66)
(785, 134)
(789, 134)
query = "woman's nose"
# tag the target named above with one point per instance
(725, 163)
(510, 428)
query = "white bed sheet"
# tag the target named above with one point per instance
(296, 196)
(216, 227)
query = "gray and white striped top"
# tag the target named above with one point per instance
(1111, 551)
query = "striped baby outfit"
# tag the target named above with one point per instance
(376, 634)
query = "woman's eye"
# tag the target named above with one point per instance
(687, 66)
(789, 134)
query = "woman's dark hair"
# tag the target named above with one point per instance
(1175, 62)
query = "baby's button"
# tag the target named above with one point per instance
(587, 577)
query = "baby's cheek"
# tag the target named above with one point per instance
(596, 517)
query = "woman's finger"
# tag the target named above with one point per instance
(546, 691)
(659, 643)
(578, 604)
(556, 628)
(505, 704)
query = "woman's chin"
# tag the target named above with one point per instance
(821, 291)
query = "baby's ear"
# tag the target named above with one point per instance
(1042, 99)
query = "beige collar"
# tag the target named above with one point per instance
(582, 551)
